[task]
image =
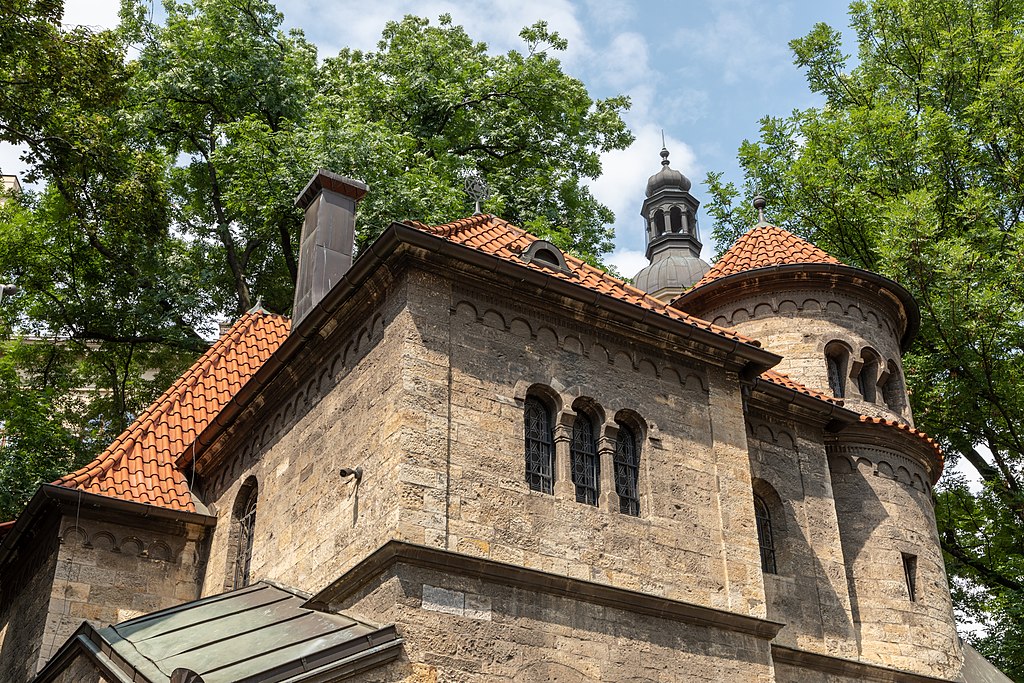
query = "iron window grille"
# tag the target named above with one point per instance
(585, 464)
(539, 447)
(764, 536)
(246, 527)
(627, 471)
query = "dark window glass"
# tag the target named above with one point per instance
(583, 455)
(247, 524)
(539, 446)
(835, 375)
(764, 536)
(910, 574)
(627, 471)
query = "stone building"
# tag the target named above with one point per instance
(471, 457)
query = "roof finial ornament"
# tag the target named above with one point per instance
(759, 204)
(477, 189)
(664, 149)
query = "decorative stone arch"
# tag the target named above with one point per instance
(541, 406)
(630, 435)
(584, 456)
(868, 374)
(894, 392)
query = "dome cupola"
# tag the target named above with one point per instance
(673, 239)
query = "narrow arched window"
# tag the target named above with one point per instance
(836, 360)
(245, 519)
(627, 471)
(659, 222)
(540, 465)
(867, 380)
(764, 535)
(583, 456)
(676, 219)
(892, 391)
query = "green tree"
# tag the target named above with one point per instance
(913, 167)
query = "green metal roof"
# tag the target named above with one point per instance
(258, 633)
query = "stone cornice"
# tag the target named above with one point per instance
(847, 668)
(400, 552)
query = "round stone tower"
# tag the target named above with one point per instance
(841, 331)
(673, 238)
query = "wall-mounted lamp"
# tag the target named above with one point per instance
(349, 472)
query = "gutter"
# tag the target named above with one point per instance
(397, 234)
(839, 416)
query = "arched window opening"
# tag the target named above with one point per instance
(892, 391)
(764, 535)
(676, 219)
(867, 379)
(627, 471)
(583, 456)
(837, 359)
(245, 519)
(546, 256)
(659, 222)
(540, 451)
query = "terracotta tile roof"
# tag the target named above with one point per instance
(907, 428)
(498, 237)
(763, 246)
(785, 381)
(139, 465)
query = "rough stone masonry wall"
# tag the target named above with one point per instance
(107, 573)
(808, 592)
(474, 631)
(81, 670)
(799, 324)
(695, 537)
(882, 514)
(24, 618)
(311, 524)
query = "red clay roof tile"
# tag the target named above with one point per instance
(139, 464)
(893, 424)
(498, 237)
(763, 246)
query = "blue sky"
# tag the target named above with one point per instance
(705, 72)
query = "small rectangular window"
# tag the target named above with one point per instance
(910, 573)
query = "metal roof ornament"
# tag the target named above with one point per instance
(477, 189)
(759, 203)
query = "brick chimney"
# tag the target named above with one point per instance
(328, 237)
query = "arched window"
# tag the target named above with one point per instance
(867, 379)
(659, 222)
(764, 535)
(675, 215)
(627, 471)
(892, 391)
(837, 359)
(540, 451)
(245, 522)
(583, 456)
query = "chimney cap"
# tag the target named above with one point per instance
(326, 180)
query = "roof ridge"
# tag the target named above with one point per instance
(763, 246)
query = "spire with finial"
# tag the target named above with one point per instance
(759, 203)
(673, 239)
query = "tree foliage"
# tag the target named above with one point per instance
(913, 167)
(171, 153)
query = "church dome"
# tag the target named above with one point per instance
(667, 178)
(671, 272)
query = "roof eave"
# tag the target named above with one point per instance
(50, 495)
(835, 415)
(910, 307)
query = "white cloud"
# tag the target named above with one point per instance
(739, 43)
(628, 262)
(99, 14)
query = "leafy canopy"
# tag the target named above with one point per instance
(913, 167)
